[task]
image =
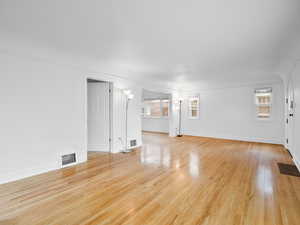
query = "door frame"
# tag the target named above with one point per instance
(110, 111)
(290, 112)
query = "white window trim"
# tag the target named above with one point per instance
(198, 107)
(256, 104)
(166, 117)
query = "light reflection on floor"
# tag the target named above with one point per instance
(264, 180)
(194, 166)
(156, 155)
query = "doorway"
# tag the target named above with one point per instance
(155, 111)
(99, 119)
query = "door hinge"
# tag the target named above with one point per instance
(287, 140)
(287, 121)
(286, 100)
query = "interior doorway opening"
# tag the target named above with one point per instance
(99, 116)
(155, 111)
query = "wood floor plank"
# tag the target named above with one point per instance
(188, 180)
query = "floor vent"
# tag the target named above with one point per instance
(68, 159)
(132, 143)
(288, 169)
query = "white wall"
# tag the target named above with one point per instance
(43, 114)
(230, 113)
(155, 124)
(134, 119)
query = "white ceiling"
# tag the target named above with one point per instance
(177, 43)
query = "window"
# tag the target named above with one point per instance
(152, 108)
(165, 108)
(263, 101)
(156, 108)
(194, 107)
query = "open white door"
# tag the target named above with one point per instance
(98, 117)
(290, 115)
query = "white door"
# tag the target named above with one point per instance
(290, 115)
(98, 117)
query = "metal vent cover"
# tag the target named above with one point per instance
(132, 143)
(288, 169)
(68, 159)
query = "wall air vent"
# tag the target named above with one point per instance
(68, 159)
(132, 143)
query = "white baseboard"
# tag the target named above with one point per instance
(297, 162)
(98, 148)
(26, 172)
(155, 132)
(234, 138)
(137, 146)
(33, 171)
(119, 150)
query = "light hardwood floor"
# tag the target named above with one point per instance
(185, 180)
